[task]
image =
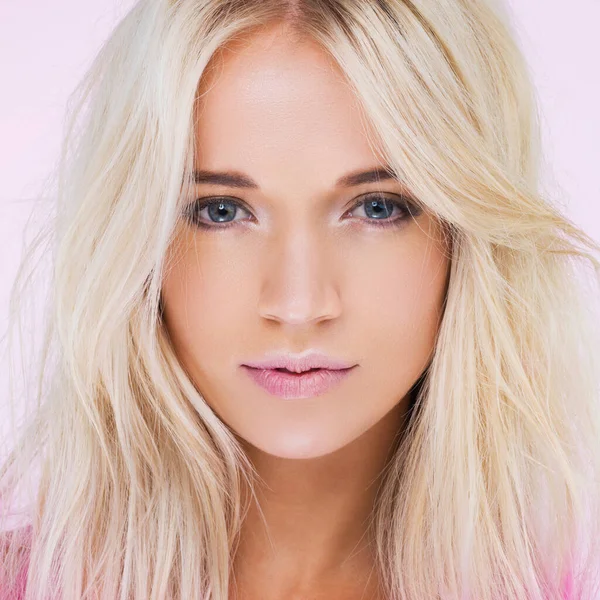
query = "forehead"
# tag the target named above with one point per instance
(269, 98)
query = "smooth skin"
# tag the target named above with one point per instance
(301, 264)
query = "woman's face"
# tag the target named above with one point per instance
(297, 262)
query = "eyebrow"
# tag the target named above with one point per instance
(240, 180)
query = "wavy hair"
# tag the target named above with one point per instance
(492, 493)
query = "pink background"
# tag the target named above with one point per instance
(45, 47)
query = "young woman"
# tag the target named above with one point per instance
(314, 331)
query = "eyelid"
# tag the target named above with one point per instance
(400, 197)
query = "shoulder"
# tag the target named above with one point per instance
(16, 589)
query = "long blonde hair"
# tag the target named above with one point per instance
(493, 491)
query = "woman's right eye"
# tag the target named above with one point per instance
(218, 212)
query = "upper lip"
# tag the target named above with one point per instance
(299, 362)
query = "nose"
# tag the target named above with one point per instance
(299, 282)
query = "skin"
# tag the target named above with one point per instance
(294, 271)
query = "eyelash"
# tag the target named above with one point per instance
(405, 204)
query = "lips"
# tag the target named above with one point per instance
(289, 385)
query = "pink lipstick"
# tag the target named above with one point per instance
(291, 386)
(294, 376)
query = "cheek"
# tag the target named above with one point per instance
(206, 301)
(397, 301)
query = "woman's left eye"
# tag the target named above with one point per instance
(382, 208)
(378, 207)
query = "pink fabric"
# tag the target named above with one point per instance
(567, 587)
(18, 591)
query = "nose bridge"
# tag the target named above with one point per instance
(299, 281)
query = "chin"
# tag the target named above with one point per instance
(295, 447)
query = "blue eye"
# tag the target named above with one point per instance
(221, 211)
(379, 208)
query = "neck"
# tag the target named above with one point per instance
(310, 521)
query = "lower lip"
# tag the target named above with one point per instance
(291, 386)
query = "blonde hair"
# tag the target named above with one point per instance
(493, 490)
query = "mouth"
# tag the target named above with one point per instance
(285, 384)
